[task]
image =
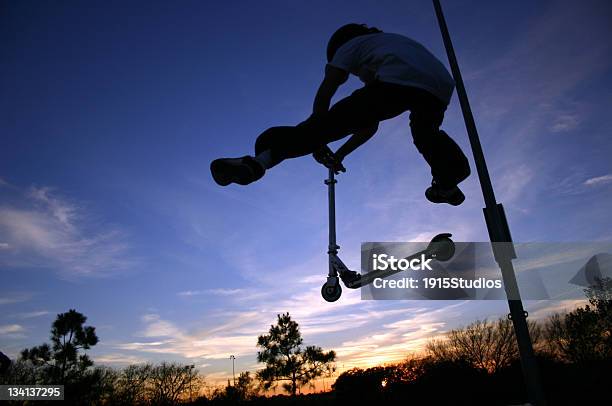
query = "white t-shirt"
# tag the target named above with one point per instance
(394, 58)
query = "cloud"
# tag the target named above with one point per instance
(225, 292)
(216, 292)
(237, 333)
(396, 340)
(15, 297)
(219, 378)
(188, 293)
(575, 183)
(62, 211)
(119, 359)
(402, 330)
(217, 343)
(156, 327)
(545, 308)
(513, 183)
(565, 122)
(599, 180)
(31, 315)
(11, 330)
(537, 86)
(548, 58)
(41, 229)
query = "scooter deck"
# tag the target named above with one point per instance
(368, 278)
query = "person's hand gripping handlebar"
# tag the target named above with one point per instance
(327, 158)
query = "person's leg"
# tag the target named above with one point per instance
(345, 117)
(363, 108)
(276, 144)
(449, 166)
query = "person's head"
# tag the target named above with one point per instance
(346, 33)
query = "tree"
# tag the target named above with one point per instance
(363, 384)
(584, 334)
(5, 363)
(69, 336)
(287, 360)
(131, 385)
(63, 361)
(19, 373)
(171, 382)
(246, 386)
(486, 345)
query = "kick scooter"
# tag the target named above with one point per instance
(440, 248)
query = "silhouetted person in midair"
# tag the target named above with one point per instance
(399, 74)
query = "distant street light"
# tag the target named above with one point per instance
(233, 373)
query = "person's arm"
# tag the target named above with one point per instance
(332, 160)
(355, 141)
(334, 77)
(327, 158)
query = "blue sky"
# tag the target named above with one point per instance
(112, 112)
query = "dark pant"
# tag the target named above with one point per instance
(365, 108)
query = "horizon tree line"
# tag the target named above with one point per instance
(478, 352)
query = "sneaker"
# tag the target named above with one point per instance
(439, 194)
(242, 171)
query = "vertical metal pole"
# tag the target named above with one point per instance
(332, 249)
(499, 232)
(331, 181)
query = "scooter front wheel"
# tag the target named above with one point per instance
(331, 293)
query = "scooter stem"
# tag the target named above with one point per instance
(332, 248)
(330, 182)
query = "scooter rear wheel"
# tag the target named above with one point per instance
(331, 293)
